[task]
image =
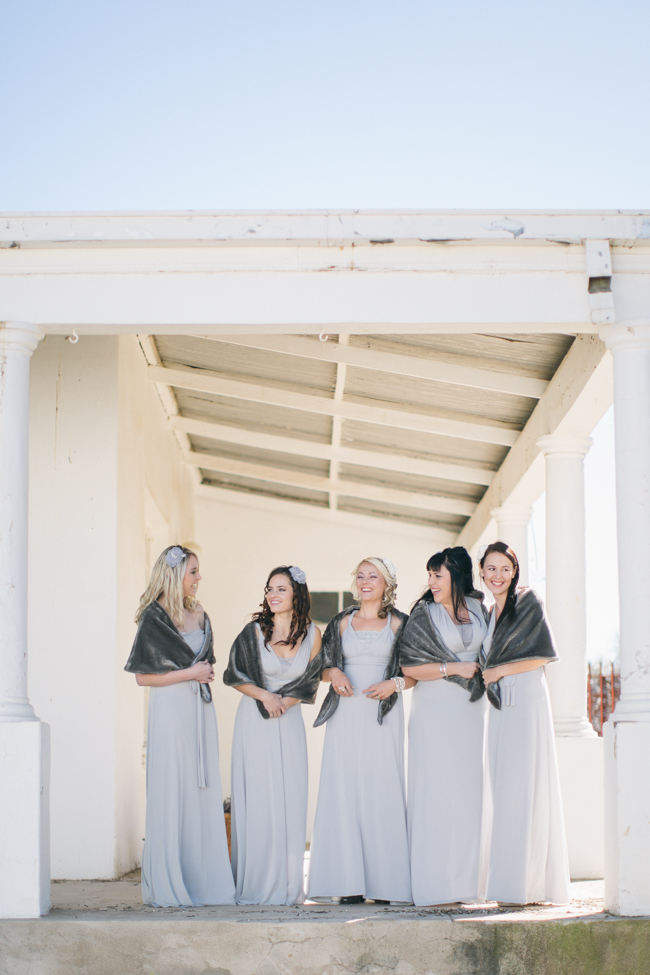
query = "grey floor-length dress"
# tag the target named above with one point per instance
(359, 844)
(445, 783)
(185, 858)
(269, 789)
(526, 858)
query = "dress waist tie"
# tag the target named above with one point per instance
(200, 736)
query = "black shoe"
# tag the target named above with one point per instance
(376, 900)
(353, 899)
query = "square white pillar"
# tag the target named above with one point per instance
(24, 819)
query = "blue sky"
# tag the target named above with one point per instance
(204, 104)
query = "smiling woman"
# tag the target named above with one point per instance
(275, 664)
(185, 857)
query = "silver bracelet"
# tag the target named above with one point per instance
(443, 668)
(400, 684)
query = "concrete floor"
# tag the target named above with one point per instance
(102, 928)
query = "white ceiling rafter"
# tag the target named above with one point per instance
(380, 414)
(409, 366)
(382, 460)
(340, 486)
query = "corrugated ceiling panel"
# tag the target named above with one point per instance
(253, 455)
(253, 486)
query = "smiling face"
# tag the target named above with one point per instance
(498, 572)
(370, 582)
(192, 577)
(440, 585)
(279, 594)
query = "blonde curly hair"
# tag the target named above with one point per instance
(388, 599)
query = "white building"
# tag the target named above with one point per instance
(306, 388)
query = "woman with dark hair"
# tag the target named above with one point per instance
(440, 648)
(359, 847)
(525, 847)
(275, 664)
(185, 858)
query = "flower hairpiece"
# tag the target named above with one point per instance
(175, 556)
(389, 565)
(297, 574)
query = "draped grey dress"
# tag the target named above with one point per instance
(359, 843)
(269, 789)
(525, 851)
(445, 780)
(185, 858)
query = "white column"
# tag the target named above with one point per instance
(24, 741)
(627, 733)
(579, 749)
(565, 580)
(512, 528)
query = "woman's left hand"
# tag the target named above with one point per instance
(492, 675)
(380, 691)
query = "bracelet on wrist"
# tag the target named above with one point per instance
(443, 668)
(399, 683)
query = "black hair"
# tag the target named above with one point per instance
(511, 597)
(458, 563)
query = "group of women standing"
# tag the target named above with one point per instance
(483, 817)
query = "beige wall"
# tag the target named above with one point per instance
(105, 476)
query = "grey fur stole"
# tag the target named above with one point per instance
(421, 643)
(333, 657)
(159, 646)
(523, 635)
(244, 668)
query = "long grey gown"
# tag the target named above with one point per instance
(526, 858)
(269, 789)
(445, 782)
(359, 843)
(185, 858)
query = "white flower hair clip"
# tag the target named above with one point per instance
(175, 556)
(297, 574)
(389, 565)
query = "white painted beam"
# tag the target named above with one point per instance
(203, 381)
(348, 455)
(580, 367)
(340, 486)
(409, 366)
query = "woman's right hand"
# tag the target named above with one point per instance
(274, 704)
(340, 682)
(463, 668)
(203, 672)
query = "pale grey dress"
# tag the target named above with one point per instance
(445, 780)
(359, 843)
(185, 858)
(269, 789)
(526, 858)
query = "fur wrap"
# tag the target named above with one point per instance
(159, 646)
(524, 635)
(333, 657)
(244, 668)
(421, 643)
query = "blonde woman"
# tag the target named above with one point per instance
(359, 848)
(185, 859)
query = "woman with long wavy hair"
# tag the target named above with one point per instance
(440, 649)
(525, 847)
(185, 858)
(359, 847)
(275, 665)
